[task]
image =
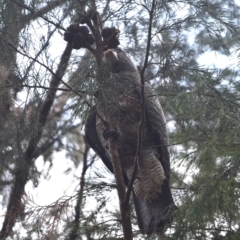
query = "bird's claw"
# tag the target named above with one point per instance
(110, 133)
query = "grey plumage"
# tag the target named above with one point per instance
(119, 98)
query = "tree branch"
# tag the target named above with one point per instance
(74, 232)
(97, 36)
(113, 150)
(26, 160)
(36, 14)
(142, 120)
(118, 173)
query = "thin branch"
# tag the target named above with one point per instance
(47, 104)
(97, 36)
(51, 221)
(39, 14)
(112, 141)
(44, 65)
(142, 120)
(44, 87)
(25, 162)
(40, 150)
(45, 45)
(151, 14)
(74, 232)
(104, 12)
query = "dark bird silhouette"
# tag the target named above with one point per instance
(119, 97)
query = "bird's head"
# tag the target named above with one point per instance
(118, 61)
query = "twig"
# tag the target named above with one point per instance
(142, 120)
(48, 68)
(97, 36)
(25, 163)
(38, 86)
(74, 232)
(41, 12)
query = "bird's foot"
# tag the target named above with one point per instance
(110, 133)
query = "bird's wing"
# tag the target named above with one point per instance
(93, 139)
(156, 122)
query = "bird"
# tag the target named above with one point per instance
(118, 102)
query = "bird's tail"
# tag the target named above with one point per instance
(153, 216)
